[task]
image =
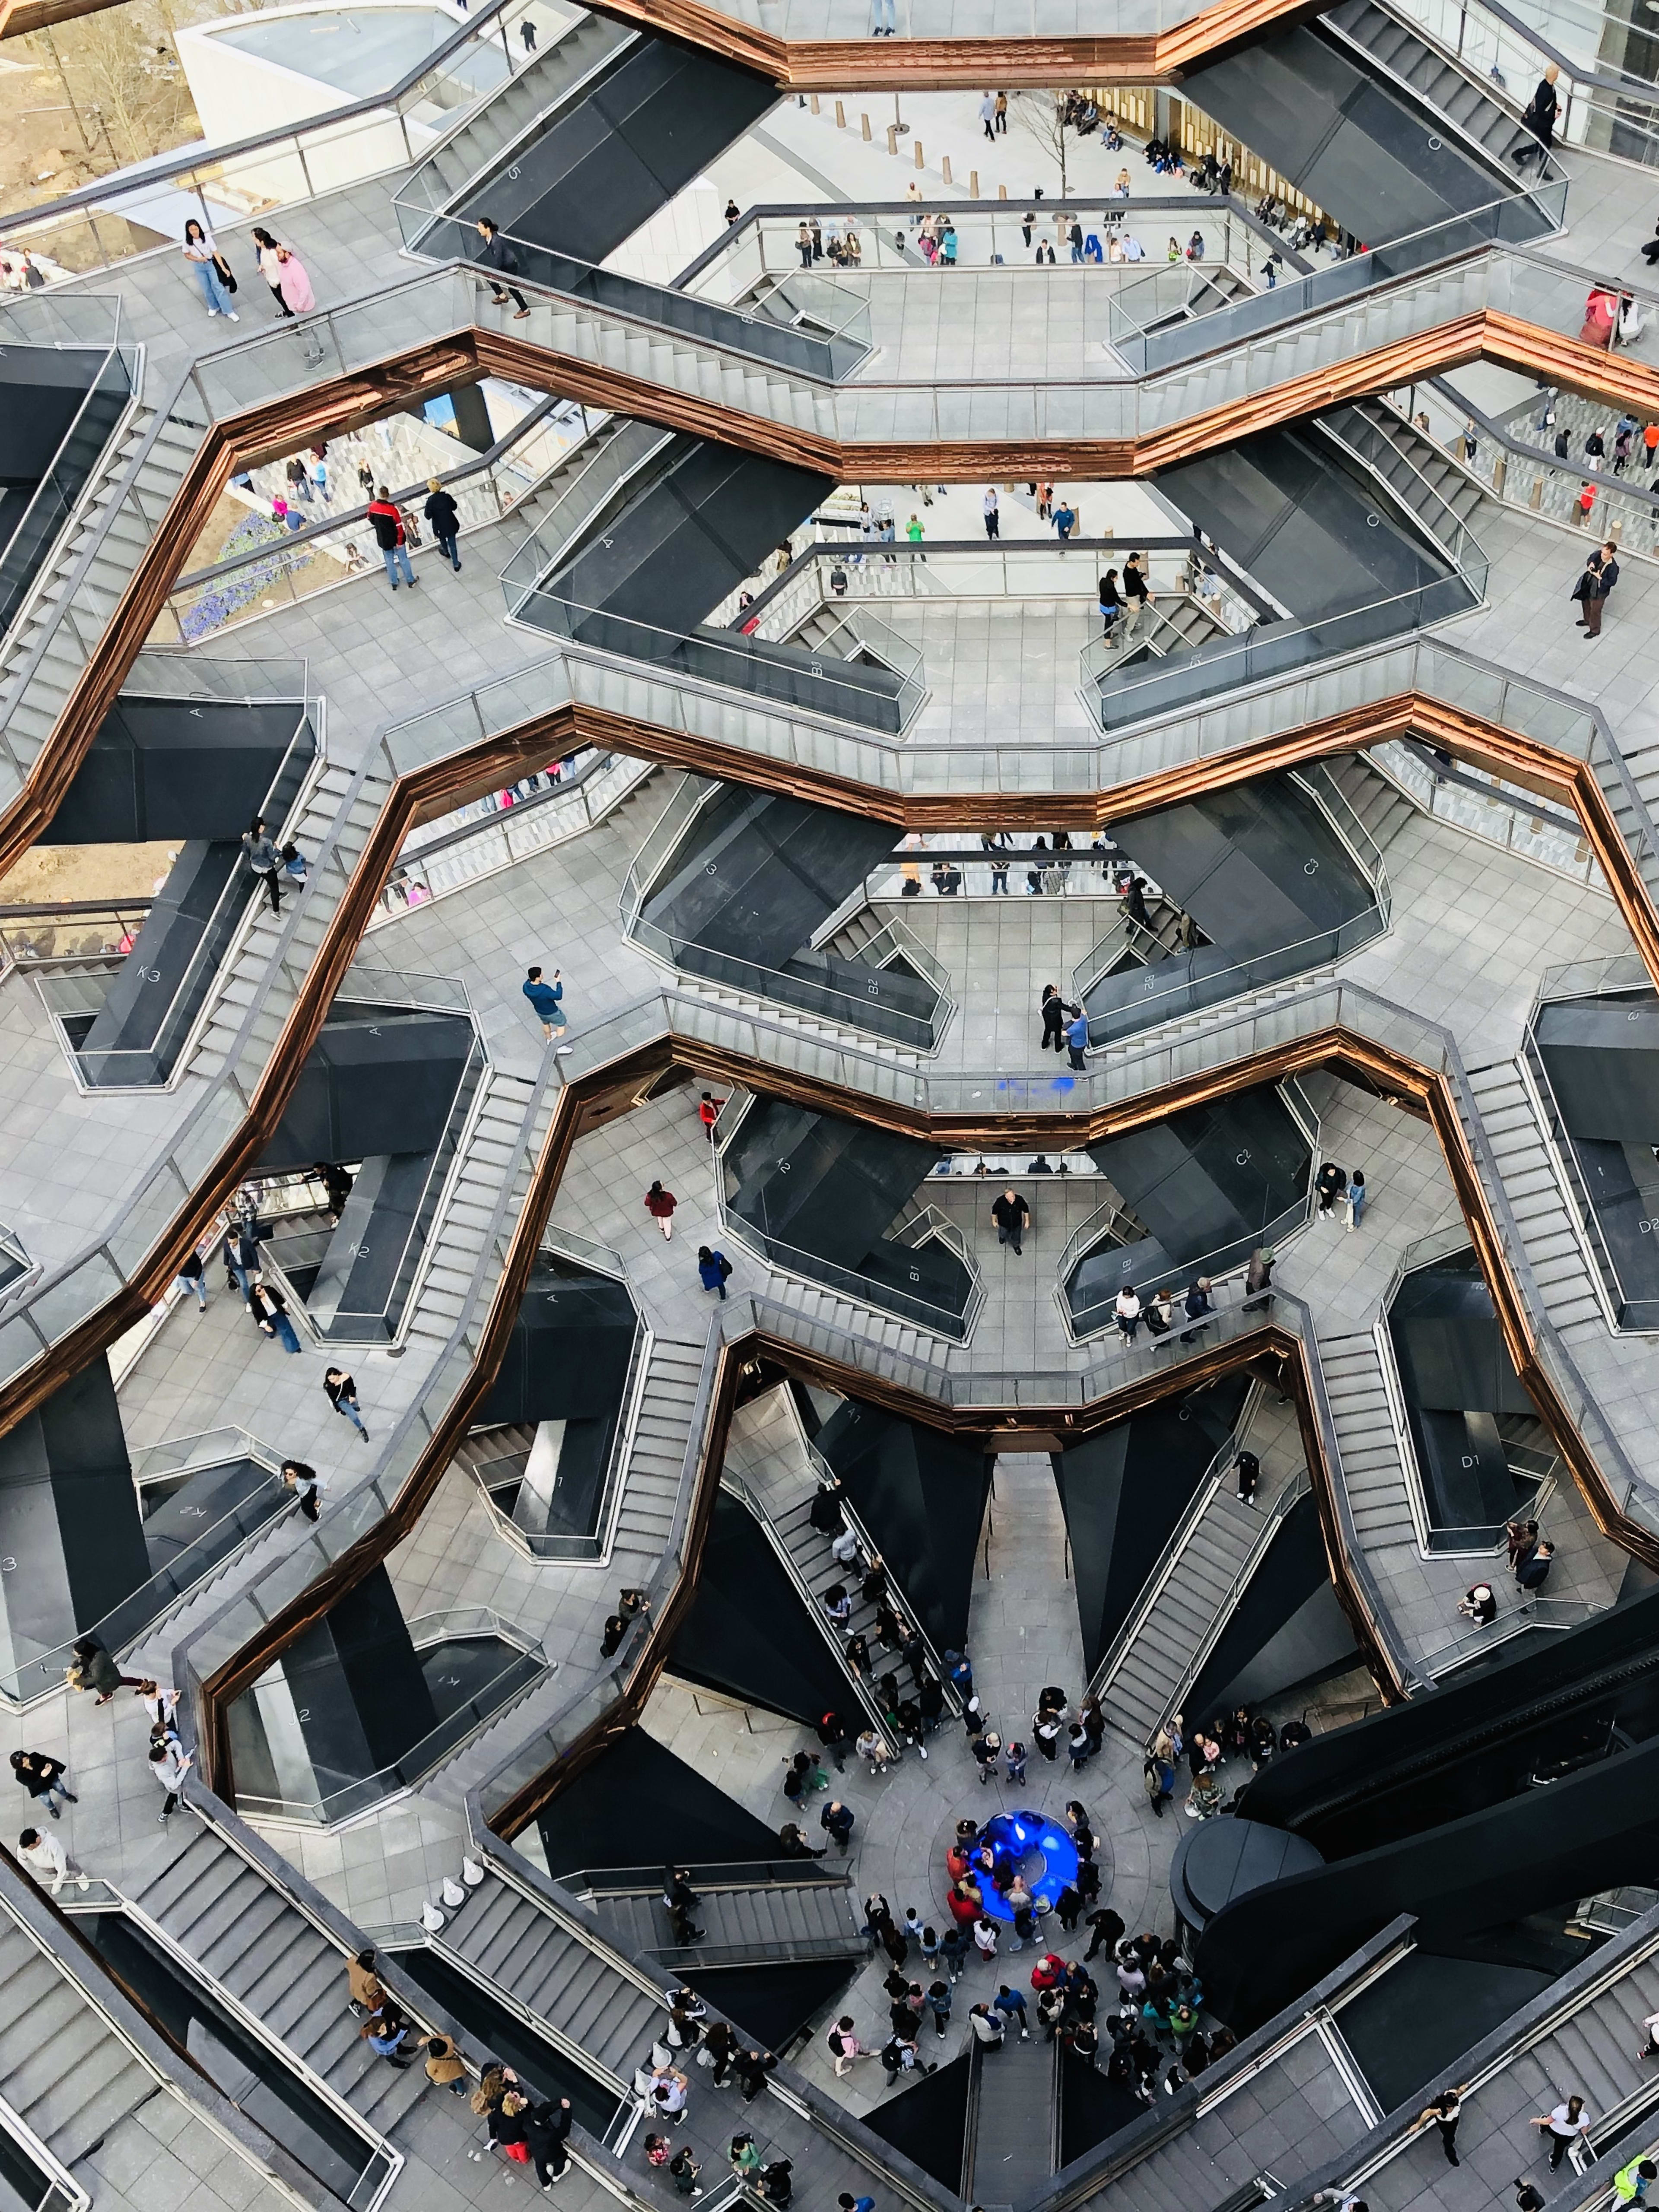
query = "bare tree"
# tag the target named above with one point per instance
(1042, 116)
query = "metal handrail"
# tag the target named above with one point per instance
(1299, 1487)
(1096, 1318)
(738, 1486)
(531, 421)
(1157, 1574)
(872, 1550)
(24, 1685)
(441, 1743)
(1616, 1302)
(1551, 1612)
(1352, 429)
(92, 197)
(725, 1874)
(536, 553)
(129, 361)
(862, 1290)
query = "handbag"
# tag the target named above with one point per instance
(227, 275)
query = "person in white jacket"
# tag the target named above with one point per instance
(40, 1851)
(169, 1765)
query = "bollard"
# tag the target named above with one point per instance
(973, 183)
(813, 104)
(841, 117)
(1002, 191)
(945, 169)
(864, 122)
(892, 137)
(919, 163)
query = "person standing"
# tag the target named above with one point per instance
(44, 1856)
(713, 1269)
(1358, 1194)
(169, 1765)
(659, 1204)
(988, 115)
(293, 283)
(303, 1481)
(993, 513)
(1111, 604)
(1532, 1573)
(1564, 2123)
(836, 1819)
(264, 860)
(752, 2070)
(1135, 594)
(1247, 1468)
(1012, 1215)
(1076, 1039)
(161, 1704)
(42, 1776)
(527, 33)
(1607, 576)
(547, 1001)
(1445, 2111)
(1331, 1184)
(265, 249)
(708, 1113)
(392, 538)
(441, 511)
(200, 250)
(342, 1390)
(1052, 1008)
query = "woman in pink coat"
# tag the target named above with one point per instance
(292, 281)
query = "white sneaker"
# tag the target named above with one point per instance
(232, 312)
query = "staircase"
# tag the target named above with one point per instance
(1636, 825)
(500, 1152)
(1276, 356)
(88, 573)
(555, 74)
(1543, 1212)
(333, 826)
(759, 1924)
(273, 1965)
(1404, 54)
(577, 1997)
(1011, 2147)
(64, 2071)
(768, 1463)
(1376, 799)
(585, 480)
(1179, 1616)
(1371, 1470)
(656, 1460)
(1428, 485)
(1590, 2050)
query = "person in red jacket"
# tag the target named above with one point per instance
(659, 1204)
(388, 527)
